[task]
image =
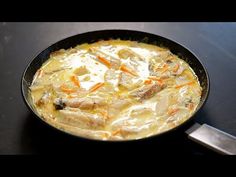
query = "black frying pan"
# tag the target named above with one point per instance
(202, 134)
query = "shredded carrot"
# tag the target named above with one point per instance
(75, 80)
(72, 96)
(156, 79)
(164, 68)
(96, 86)
(176, 68)
(104, 61)
(114, 133)
(66, 89)
(182, 85)
(127, 70)
(148, 81)
(171, 112)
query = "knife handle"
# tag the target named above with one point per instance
(213, 138)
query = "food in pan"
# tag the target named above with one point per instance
(115, 90)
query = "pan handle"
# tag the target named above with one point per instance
(213, 138)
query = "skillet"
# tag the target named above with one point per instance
(204, 134)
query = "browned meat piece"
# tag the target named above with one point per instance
(58, 53)
(44, 99)
(128, 53)
(82, 103)
(126, 81)
(80, 118)
(116, 106)
(147, 91)
(82, 70)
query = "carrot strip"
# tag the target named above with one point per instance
(182, 85)
(176, 68)
(75, 80)
(96, 86)
(171, 112)
(156, 79)
(104, 61)
(148, 81)
(165, 68)
(72, 96)
(66, 89)
(127, 70)
(116, 132)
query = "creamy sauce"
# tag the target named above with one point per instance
(115, 90)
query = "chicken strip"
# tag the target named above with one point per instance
(82, 103)
(83, 119)
(146, 91)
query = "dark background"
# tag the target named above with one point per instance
(22, 133)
